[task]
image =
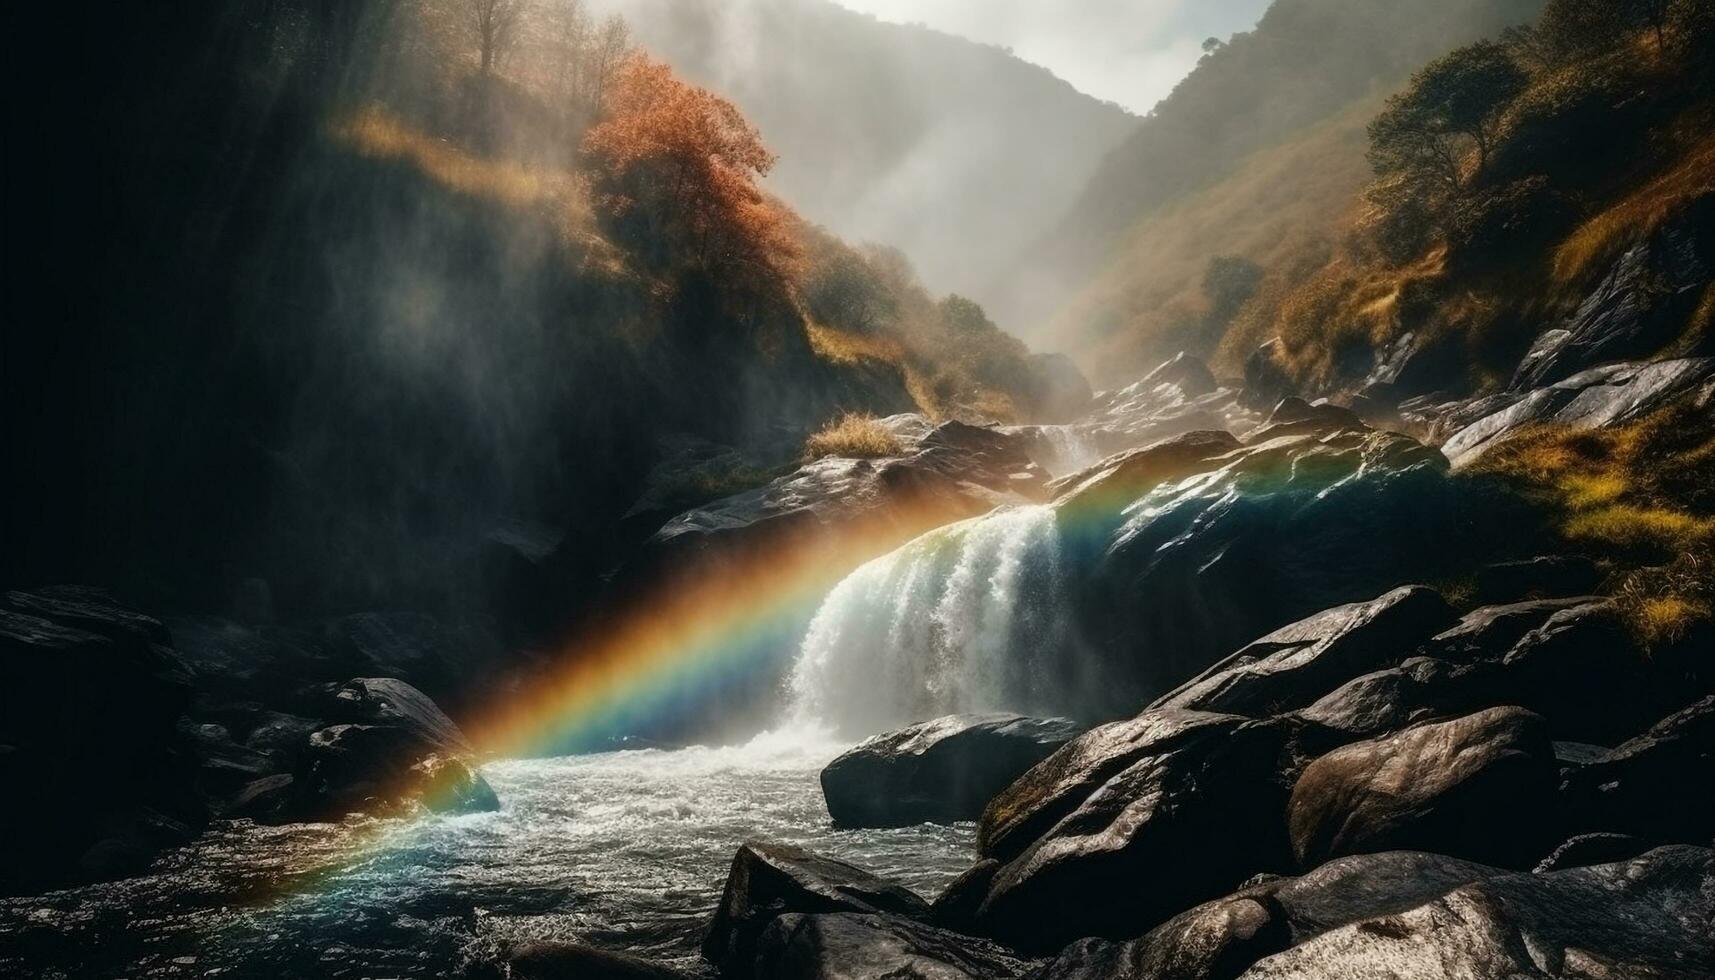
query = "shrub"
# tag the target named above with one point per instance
(853, 435)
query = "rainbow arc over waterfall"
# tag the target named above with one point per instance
(704, 631)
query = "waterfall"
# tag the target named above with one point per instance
(1070, 448)
(964, 618)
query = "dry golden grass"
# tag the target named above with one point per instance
(853, 435)
(846, 347)
(375, 134)
(1638, 495)
(1603, 237)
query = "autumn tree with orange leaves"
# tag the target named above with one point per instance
(675, 170)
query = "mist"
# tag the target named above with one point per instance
(955, 152)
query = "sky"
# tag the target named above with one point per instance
(1127, 51)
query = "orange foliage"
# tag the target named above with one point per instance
(676, 170)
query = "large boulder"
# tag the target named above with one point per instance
(845, 946)
(1206, 550)
(1221, 938)
(769, 880)
(391, 746)
(93, 751)
(1178, 826)
(1488, 633)
(938, 771)
(1648, 917)
(1044, 795)
(1293, 666)
(1388, 700)
(1481, 787)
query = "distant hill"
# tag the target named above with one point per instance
(955, 152)
(1307, 62)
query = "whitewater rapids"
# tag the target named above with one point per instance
(624, 850)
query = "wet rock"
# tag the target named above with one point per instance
(1648, 917)
(1221, 938)
(1390, 699)
(1655, 786)
(271, 799)
(576, 961)
(877, 947)
(956, 907)
(1545, 576)
(1584, 850)
(939, 771)
(1488, 633)
(451, 785)
(392, 703)
(1262, 536)
(1638, 308)
(1297, 664)
(1180, 825)
(1480, 787)
(1597, 398)
(91, 700)
(1118, 480)
(1185, 372)
(1052, 789)
(769, 880)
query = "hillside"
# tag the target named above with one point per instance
(957, 153)
(1306, 62)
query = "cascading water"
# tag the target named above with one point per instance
(1070, 448)
(960, 619)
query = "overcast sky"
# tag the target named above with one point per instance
(1128, 51)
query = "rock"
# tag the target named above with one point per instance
(1488, 633)
(1545, 576)
(1266, 382)
(1179, 826)
(1649, 917)
(271, 799)
(576, 961)
(768, 880)
(1597, 398)
(1297, 664)
(1214, 553)
(91, 703)
(939, 771)
(1044, 795)
(1583, 672)
(1294, 414)
(956, 907)
(1189, 374)
(1390, 699)
(1118, 480)
(1638, 308)
(1480, 787)
(1584, 850)
(877, 947)
(395, 748)
(1655, 786)
(1221, 938)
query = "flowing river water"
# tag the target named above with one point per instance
(623, 850)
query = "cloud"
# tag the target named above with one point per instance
(1127, 51)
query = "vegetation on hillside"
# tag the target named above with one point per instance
(1306, 63)
(853, 436)
(1641, 498)
(1508, 177)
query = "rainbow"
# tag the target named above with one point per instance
(702, 631)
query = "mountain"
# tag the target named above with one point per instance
(955, 152)
(1306, 62)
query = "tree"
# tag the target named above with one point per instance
(844, 291)
(610, 50)
(494, 23)
(569, 41)
(676, 170)
(1450, 106)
